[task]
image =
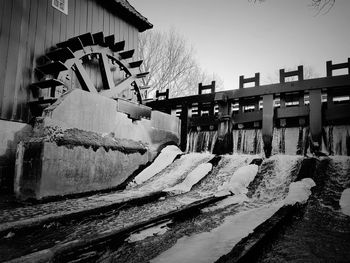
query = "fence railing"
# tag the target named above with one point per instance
(302, 102)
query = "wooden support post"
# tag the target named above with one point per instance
(267, 124)
(107, 77)
(83, 77)
(184, 126)
(315, 120)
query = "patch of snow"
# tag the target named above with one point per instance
(192, 178)
(240, 180)
(299, 192)
(149, 232)
(344, 202)
(209, 246)
(176, 172)
(165, 158)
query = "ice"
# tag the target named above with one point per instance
(165, 158)
(299, 191)
(209, 246)
(344, 202)
(192, 178)
(240, 180)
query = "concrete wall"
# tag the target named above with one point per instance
(46, 169)
(57, 161)
(91, 112)
(10, 134)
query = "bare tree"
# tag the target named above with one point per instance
(171, 64)
(319, 5)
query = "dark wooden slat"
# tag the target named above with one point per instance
(99, 38)
(267, 128)
(119, 46)
(135, 64)
(142, 75)
(47, 83)
(43, 101)
(74, 44)
(109, 41)
(4, 46)
(60, 54)
(315, 118)
(126, 54)
(107, 77)
(12, 60)
(289, 112)
(86, 39)
(52, 68)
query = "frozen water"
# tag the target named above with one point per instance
(299, 192)
(344, 202)
(192, 178)
(165, 158)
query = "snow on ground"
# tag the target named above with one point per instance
(240, 180)
(165, 158)
(176, 172)
(299, 192)
(192, 178)
(344, 202)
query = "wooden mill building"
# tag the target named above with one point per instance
(29, 29)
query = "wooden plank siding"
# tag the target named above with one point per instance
(30, 28)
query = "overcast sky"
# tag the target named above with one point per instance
(238, 37)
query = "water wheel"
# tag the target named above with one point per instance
(91, 62)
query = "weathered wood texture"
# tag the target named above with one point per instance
(30, 28)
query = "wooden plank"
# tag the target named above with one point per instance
(83, 77)
(83, 17)
(95, 12)
(338, 113)
(56, 26)
(106, 74)
(63, 26)
(48, 26)
(89, 19)
(315, 119)
(77, 18)
(4, 45)
(246, 117)
(289, 112)
(70, 19)
(184, 126)
(105, 22)
(27, 72)
(12, 60)
(21, 89)
(267, 124)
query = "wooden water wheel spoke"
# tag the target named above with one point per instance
(83, 77)
(106, 73)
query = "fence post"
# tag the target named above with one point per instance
(184, 125)
(267, 124)
(315, 120)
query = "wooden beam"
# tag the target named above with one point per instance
(267, 123)
(107, 77)
(315, 119)
(83, 77)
